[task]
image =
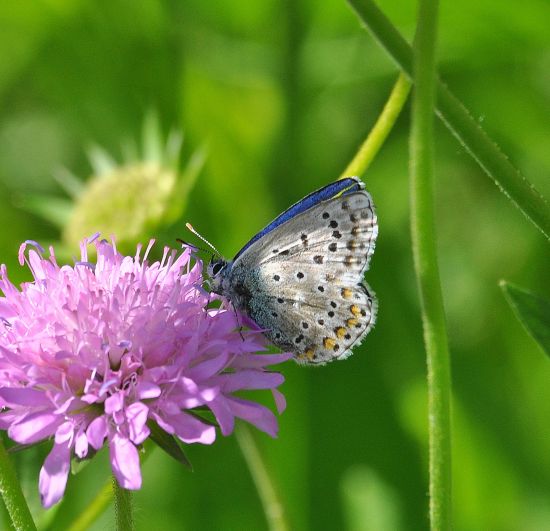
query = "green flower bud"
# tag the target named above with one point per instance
(134, 199)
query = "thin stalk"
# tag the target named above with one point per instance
(273, 508)
(124, 516)
(427, 270)
(95, 509)
(102, 499)
(378, 134)
(461, 124)
(12, 495)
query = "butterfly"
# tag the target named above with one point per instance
(300, 279)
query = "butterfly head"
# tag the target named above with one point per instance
(216, 271)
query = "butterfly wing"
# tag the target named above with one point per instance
(305, 278)
(342, 186)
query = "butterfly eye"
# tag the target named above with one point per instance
(216, 268)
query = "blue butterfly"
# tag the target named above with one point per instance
(301, 277)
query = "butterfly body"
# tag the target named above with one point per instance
(301, 278)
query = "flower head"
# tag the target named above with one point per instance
(94, 353)
(149, 189)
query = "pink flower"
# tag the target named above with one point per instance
(94, 353)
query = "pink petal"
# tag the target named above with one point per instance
(37, 263)
(96, 432)
(191, 430)
(223, 415)
(81, 444)
(136, 415)
(24, 396)
(64, 433)
(125, 462)
(8, 418)
(114, 403)
(249, 379)
(256, 414)
(280, 400)
(168, 428)
(193, 396)
(72, 401)
(34, 427)
(259, 361)
(208, 368)
(146, 390)
(53, 475)
(89, 398)
(6, 309)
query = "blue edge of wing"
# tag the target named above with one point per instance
(344, 186)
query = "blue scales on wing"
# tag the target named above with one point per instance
(343, 186)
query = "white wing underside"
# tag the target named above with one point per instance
(308, 292)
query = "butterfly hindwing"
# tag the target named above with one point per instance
(318, 329)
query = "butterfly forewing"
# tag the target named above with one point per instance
(305, 279)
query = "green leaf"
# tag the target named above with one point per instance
(152, 138)
(185, 183)
(53, 209)
(70, 183)
(532, 311)
(168, 443)
(101, 160)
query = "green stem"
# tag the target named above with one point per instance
(427, 270)
(123, 507)
(273, 508)
(102, 499)
(459, 121)
(378, 134)
(12, 495)
(94, 509)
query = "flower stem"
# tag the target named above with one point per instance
(123, 507)
(94, 509)
(102, 499)
(459, 121)
(427, 270)
(273, 508)
(381, 129)
(12, 495)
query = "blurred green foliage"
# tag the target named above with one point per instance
(282, 93)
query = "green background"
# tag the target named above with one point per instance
(282, 93)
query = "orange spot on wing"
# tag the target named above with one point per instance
(346, 293)
(329, 343)
(340, 332)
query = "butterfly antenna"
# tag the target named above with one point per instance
(190, 227)
(192, 245)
